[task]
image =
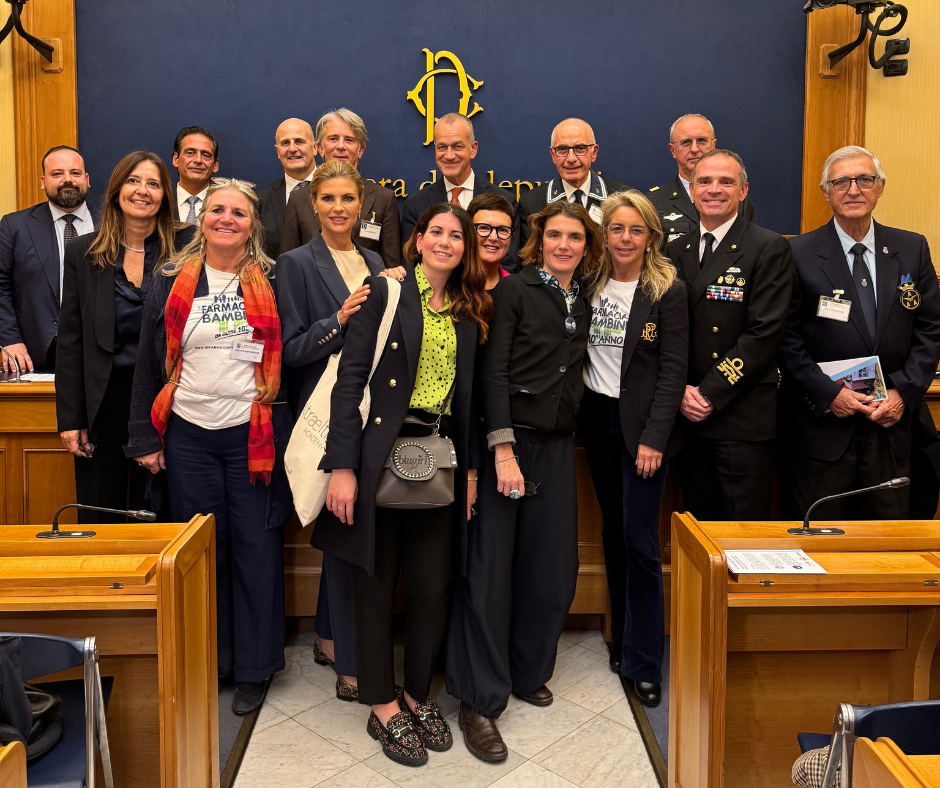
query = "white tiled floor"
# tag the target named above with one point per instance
(587, 737)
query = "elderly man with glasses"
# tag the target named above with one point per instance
(861, 289)
(573, 150)
(690, 138)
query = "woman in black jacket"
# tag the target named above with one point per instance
(634, 378)
(106, 278)
(425, 370)
(523, 555)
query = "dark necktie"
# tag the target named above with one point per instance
(301, 185)
(865, 288)
(578, 197)
(70, 233)
(707, 252)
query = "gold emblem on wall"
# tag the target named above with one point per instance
(427, 83)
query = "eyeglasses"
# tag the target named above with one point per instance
(503, 232)
(561, 151)
(616, 230)
(702, 142)
(233, 182)
(862, 181)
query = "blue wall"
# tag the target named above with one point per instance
(630, 67)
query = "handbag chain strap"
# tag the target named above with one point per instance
(437, 424)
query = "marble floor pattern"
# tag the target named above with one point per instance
(588, 737)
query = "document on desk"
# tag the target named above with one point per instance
(39, 377)
(863, 375)
(772, 562)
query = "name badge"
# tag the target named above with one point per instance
(833, 309)
(596, 214)
(247, 350)
(672, 237)
(370, 230)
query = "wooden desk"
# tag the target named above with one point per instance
(147, 593)
(752, 665)
(13, 766)
(881, 764)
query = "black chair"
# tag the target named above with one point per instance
(71, 763)
(912, 726)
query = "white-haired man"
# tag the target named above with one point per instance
(860, 289)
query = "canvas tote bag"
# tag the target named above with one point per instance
(307, 443)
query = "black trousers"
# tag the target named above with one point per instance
(208, 474)
(108, 478)
(414, 544)
(630, 508)
(522, 569)
(868, 460)
(727, 480)
(335, 618)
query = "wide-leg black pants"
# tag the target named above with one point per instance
(522, 569)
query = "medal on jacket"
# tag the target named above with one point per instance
(571, 325)
(910, 298)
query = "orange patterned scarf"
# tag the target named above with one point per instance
(261, 312)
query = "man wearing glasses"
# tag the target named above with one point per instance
(690, 138)
(861, 289)
(573, 151)
(455, 147)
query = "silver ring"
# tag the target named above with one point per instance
(514, 495)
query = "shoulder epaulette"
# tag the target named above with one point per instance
(654, 189)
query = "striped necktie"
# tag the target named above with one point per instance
(301, 185)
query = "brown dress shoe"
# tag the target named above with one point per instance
(540, 697)
(482, 735)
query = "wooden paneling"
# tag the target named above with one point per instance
(48, 477)
(7, 127)
(881, 764)
(834, 113)
(13, 766)
(45, 104)
(900, 128)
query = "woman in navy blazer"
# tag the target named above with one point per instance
(318, 287)
(634, 376)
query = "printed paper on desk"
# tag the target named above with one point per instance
(862, 375)
(38, 377)
(771, 562)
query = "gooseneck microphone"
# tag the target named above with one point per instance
(55, 533)
(15, 363)
(891, 484)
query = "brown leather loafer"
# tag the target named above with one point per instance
(481, 735)
(540, 697)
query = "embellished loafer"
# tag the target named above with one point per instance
(320, 656)
(481, 735)
(430, 724)
(649, 693)
(249, 695)
(540, 697)
(400, 741)
(345, 690)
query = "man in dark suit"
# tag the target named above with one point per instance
(32, 248)
(690, 138)
(739, 279)
(295, 148)
(455, 147)
(196, 158)
(837, 439)
(573, 151)
(341, 135)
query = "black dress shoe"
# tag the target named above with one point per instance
(649, 693)
(249, 695)
(540, 697)
(614, 660)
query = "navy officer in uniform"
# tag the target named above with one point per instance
(739, 278)
(573, 150)
(837, 439)
(690, 138)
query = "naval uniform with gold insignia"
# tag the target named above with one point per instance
(536, 199)
(676, 212)
(737, 313)
(822, 454)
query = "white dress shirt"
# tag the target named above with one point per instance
(868, 242)
(291, 183)
(466, 195)
(182, 196)
(584, 187)
(83, 224)
(688, 186)
(718, 232)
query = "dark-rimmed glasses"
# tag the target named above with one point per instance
(561, 151)
(862, 181)
(503, 232)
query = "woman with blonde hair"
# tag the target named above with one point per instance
(205, 407)
(634, 376)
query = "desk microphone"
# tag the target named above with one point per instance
(55, 533)
(891, 484)
(15, 363)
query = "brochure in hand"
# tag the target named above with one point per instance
(863, 375)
